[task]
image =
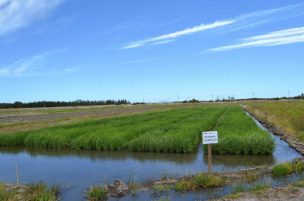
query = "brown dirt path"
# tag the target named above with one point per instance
(287, 193)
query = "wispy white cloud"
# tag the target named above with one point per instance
(171, 36)
(243, 21)
(261, 17)
(163, 42)
(23, 66)
(16, 14)
(281, 37)
(37, 65)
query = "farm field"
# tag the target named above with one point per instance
(173, 130)
(286, 115)
(22, 119)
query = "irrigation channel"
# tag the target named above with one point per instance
(75, 171)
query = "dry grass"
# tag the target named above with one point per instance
(285, 115)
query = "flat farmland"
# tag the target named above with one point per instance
(23, 119)
(287, 115)
(176, 128)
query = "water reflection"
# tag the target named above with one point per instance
(104, 155)
(235, 161)
(75, 171)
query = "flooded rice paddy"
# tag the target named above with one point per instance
(75, 171)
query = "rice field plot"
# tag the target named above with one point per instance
(176, 130)
(287, 115)
(238, 134)
(24, 119)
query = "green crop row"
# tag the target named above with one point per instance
(239, 134)
(177, 130)
(168, 131)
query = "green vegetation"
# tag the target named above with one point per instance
(299, 184)
(259, 187)
(159, 188)
(238, 188)
(198, 182)
(61, 103)
(34, 192)
(238, 134)
(286, 115)
(284, 169)
(168, 131)
(97, 193)
(176, 130)
(236, 192)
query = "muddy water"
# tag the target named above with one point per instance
(75, 171)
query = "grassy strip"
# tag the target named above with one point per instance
(238, 134)
(199, 181)
(286, 115)
(34, 192)
(284, 169)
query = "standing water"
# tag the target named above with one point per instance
(75, 171)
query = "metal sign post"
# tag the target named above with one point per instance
(209, 138)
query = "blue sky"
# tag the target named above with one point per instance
(152, 50)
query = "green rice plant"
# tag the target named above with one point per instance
(238, 134)
(175, 130)
(97, 193)
(282, 169)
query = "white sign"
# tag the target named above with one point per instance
(210, 137)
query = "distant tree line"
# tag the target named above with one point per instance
(232, 98)
(19, 104)
(301, 96)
